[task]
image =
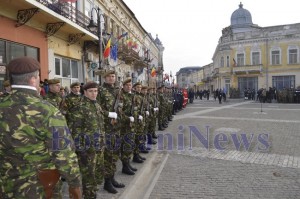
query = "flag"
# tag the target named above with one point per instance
(123, 35)
(114, 52)
(107, 49)
(134, 45)
(153, 72)
(129, 42)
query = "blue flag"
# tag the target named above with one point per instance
(114, 52)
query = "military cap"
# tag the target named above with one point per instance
(109, 72)
(75, 84)
(127, 81)
(6, 83)
(89, 85)
(53, 81)
(137, 84)
(144, 87)
(23, 65)
(161, 86)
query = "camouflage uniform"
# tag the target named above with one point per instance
(138, 124)
(106, 98)
(162, 109)
(33, 136)
(87, 129)
(71, 100)
(127, 129)
(56, 100)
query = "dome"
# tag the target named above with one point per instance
(157, 41)
(241, 18)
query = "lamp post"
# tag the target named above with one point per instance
(92, 26)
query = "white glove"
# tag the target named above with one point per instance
(112, 115)
(147, 113)
(140, 117)
(155, 109)
(131, 119)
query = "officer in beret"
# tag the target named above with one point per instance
(30, 126)
(54, 97)
(107, 97)
(162, 108)
(152, 107)
(127, 127)
(87, 129)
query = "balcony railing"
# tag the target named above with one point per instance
(247, 69)
(68, 11)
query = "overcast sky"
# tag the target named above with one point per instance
(190, 29)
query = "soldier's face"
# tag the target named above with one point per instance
(91, 93)
(110, 79)
(138, 89)
(127, 87)
(76, 89)
(54, 88)
(144, 91)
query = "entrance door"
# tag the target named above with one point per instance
(247, 83)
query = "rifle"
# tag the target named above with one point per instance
(116, 106)
(132, 107)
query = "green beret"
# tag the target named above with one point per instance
(126, 81)
(23, 65)
(137, 84)
(75, 84)
(89, 85)
(6, 83)
(109, 72)
(53, 81)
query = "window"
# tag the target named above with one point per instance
(275, 54)
(293, 56)
(222, 62)
(281, 82)
(255, 58)
(227, 61)
(240, 59)
(2, 52)
(67, 70)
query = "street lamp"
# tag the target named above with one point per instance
(97, 28)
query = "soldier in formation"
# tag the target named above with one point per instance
(106, 123)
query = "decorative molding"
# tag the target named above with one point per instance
(25, 15)
(73, 38)
(52, 28)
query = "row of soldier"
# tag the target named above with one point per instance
(106, 123)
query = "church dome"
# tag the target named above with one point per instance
(241, 18)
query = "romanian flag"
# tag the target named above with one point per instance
(129, 42)
(107, 49)
(153, 72)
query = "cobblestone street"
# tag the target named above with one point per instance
(238, 149)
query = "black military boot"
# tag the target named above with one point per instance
(154, 135)
(131, 167)
(150, 140)
(160, 128)
(109, 187)
(126, 169)
(142, 158)
(137, 159)
(116, 183)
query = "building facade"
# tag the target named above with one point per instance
(59, 35)
(252, 57)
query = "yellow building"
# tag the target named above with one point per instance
(254, 57)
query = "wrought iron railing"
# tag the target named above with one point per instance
(68, 11)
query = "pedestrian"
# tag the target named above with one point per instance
(35, 144)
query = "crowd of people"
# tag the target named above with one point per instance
(48, 135)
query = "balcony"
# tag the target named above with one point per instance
(224, 70)
(247, 69)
